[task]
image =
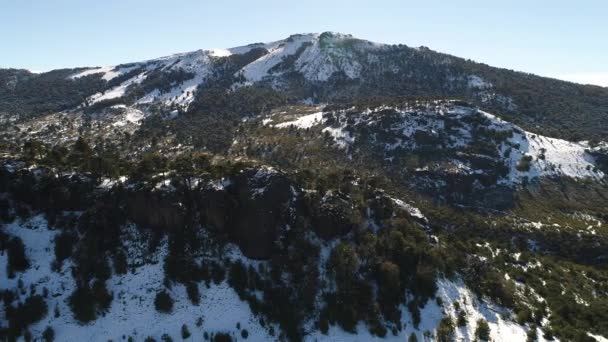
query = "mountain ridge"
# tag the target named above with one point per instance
(316, 68)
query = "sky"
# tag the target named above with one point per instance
(561, 39)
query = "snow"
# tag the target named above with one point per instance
(449, 291)
(131, 115)
(598, 338)
(258, 69)
(318, 63)
(325, 55)
(92, 71)
(197, 62)
(117, 91)
(551, 157)
(220, 52)
(303, 122)
(132, 311)
(342, 137)
(562, 158)
(109, 72)
(475, 81)
(413, 211)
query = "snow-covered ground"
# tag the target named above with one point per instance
(561, 158)
(303, 122)
(321, 56)
(132, 311)
(550, 157)
(431, 315)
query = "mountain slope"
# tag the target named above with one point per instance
(320, 187)
(330, 67)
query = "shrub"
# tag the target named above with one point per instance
(48, 334)
(82, 304)
(412, 338)
(237, 278)
(244, 334)
(218, 273)
(120, 261)
(17, 261)
(532, 336)
(222, 337)
(524, 163)
(524, 315)
(64, 245)
(31, 311)
(462, 319)
(102, 297)
(482, 332)
(445, 330)
(185, 332)
(163, 302)
(193, 293)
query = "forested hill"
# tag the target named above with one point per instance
(314, 68)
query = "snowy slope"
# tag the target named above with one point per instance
(501, 330)
(317, 58)
(132, 312)
(550, 157)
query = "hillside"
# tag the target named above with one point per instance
(316, 188)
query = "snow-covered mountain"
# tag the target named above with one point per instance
(315, 188)
(316, 56)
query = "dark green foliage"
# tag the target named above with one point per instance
(523, 315)
(524, 163)
(193, 293)
(163, 302)
(482, 332)
(101, 296)
(412, 338)
(222, 337)
(48, 334)
(17, 260)
(218, 273)
(87, 302)
(373, 269)
(532, 335)
(185, 332)
(82, 304)
(237, 278)
(32, 310)
(445, 330)
(120, 261)
(53, 91)
(244, 334)
(64, 245)
(462, 318)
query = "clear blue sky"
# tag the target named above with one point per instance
(567, 39)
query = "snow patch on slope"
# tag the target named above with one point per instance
(117, 91)
(109, 72)
(197, 62)
(260, 68)
(303, 122)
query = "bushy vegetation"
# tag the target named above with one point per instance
(21, 315)
(381, 256)
(17, 260)
(163, 302)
